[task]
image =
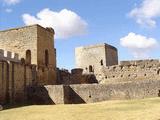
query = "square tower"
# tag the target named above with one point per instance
(92, 58)
(34, 45)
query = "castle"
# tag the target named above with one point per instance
(29, 74)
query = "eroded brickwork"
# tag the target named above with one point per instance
(130, 71)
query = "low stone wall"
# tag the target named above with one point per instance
(89, 93)
(121, 91)
(50, 94)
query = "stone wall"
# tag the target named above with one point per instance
(48, 94)
(14, 78)
(46, 76)
(76, 76)
(147, 62)
(130, 71)
(91, 58)
(121, 91)
(89, 93)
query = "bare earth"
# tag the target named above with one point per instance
(146, 109)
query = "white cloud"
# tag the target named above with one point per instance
(11, 2)
(139, 45)
(8, 10)
(66, 23)
(146, 13)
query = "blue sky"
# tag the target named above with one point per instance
(130, 25)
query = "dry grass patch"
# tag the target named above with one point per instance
(146, 109)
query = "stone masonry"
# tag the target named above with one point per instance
(27, 58)
(92, 58)
(28, 71)
(130, 71)
(34, 45)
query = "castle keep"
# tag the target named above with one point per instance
(28, 71)
(27, 57)
(34, 45)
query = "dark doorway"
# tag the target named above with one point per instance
(101, 62)
(158, 93)
(28, 57)
(46, 58)
(90, 68)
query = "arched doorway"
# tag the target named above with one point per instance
(28, 57)
(90, 68)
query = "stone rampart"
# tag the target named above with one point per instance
(129, 71)
(90, 93)
(141, 62)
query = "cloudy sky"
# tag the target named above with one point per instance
(130, 25)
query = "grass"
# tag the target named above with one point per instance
(146, 109)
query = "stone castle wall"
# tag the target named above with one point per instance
(76, 76)
(130, 71)
(90, 93)
(14, 78)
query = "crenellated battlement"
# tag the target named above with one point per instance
(9, 56)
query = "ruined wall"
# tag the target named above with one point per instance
(14, 78)
(130, 71)
(76, 76)
(147, 62)
(92, 58)
(90, 93)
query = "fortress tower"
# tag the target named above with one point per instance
(92, 58)
(34, 45)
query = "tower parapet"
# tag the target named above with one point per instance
(9, 56)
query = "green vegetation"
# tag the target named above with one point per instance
(146, 109)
